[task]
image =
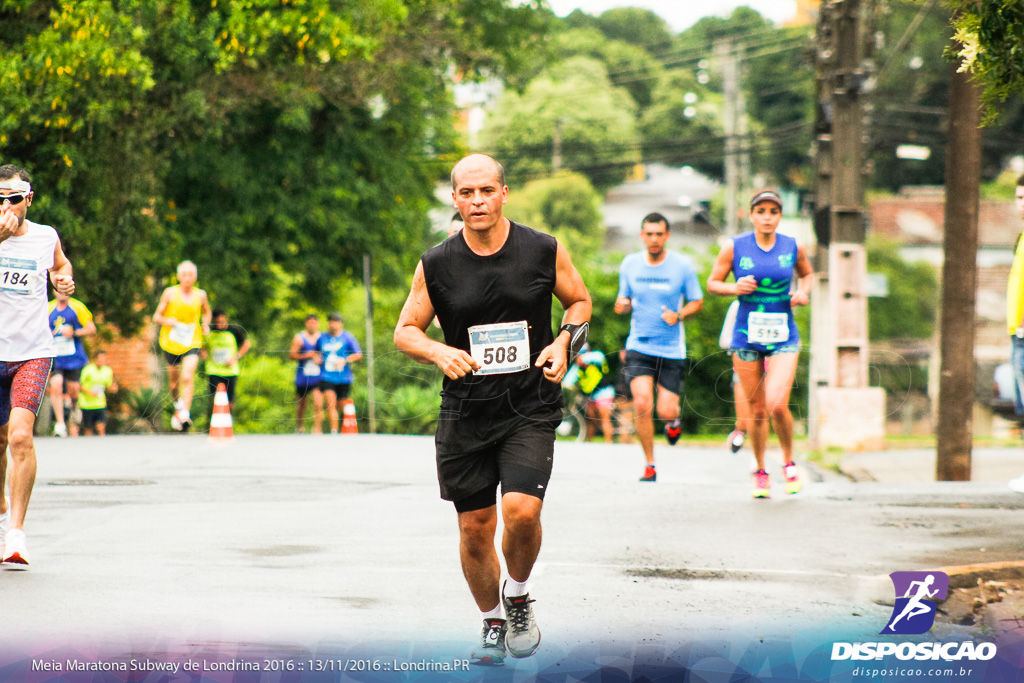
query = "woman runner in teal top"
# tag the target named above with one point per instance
(764, 264)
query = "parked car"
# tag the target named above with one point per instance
(1004, 393)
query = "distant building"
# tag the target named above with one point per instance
(914, 219)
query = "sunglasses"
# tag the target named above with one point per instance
(14, 199)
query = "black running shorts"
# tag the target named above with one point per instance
(69, 375)
(668, 373)
(521, 463)
(229, 385)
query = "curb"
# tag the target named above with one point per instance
(878, 589)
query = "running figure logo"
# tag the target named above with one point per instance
(917, 596)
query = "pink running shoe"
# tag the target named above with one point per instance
(762, 487)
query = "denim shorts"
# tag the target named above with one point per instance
(750, 355)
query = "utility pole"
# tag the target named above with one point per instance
(371, 392)
(725, 50)
(960, 258)
(844, 411)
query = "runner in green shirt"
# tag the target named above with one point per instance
(224, 346)
(97, 380)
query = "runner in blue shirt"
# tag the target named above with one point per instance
(660, 289)
(307, 374)
(70, 320)
(764, 264)
(338, 349)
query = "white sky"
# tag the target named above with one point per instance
(681, 14)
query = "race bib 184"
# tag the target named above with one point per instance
(17, 275)
(767, 328)
(501, 348)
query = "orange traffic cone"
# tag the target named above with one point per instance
(221, 429)
(348, 422)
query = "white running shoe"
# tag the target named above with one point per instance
(60, 429)
(16, 549)
(1017, 484)
(175, 423)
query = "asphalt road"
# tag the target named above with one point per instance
(169, 543)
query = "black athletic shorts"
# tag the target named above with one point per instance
(229, 385)
(303, 390)
(91, 418)
(340, 390)
(74, 375)
(175, 359)
(521, 462)
(667, 372)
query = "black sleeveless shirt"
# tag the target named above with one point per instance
(466, 289)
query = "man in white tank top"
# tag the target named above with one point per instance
(28, 252)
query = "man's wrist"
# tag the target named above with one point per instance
(577, 337)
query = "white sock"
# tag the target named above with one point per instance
(495, 613)
(186, 416)
(514, 589)
(179, 405)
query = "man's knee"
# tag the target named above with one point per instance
(56, 384)
(477, 528)
(521, 513)
(643, 404)
(668, 410)
(19, 437)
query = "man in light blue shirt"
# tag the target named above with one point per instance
(660, 289)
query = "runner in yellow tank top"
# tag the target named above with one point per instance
(184, 316)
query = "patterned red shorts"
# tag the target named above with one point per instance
(22, 385)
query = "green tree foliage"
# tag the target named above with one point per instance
(989, 36)
(635, 26)
(911, 97)
(779, 82)
(672, 137)
(271, 142)
(777, 79)
(909, 309)
(628, 66)
(566, 206)
(574, 100)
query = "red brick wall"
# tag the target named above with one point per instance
(131, 358)
(998, 222)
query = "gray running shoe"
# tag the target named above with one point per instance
(523, 637)
(491, 651)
